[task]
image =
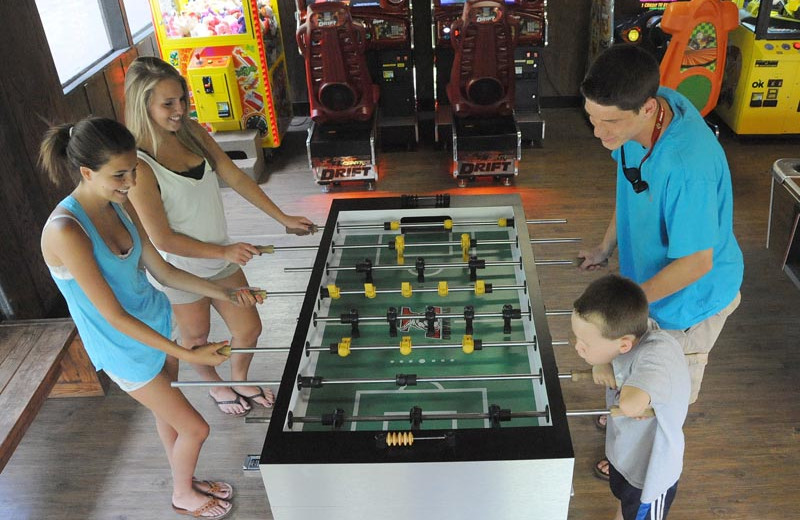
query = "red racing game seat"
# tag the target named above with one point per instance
(482, 77)
(339, 85)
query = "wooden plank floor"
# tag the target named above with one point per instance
(99, 458)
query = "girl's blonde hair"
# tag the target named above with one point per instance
(141, 79)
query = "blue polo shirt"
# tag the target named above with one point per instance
(687, 208)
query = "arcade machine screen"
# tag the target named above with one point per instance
(362, 3)
(445, 3)
(783, 21)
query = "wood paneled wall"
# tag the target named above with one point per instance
(31, 97)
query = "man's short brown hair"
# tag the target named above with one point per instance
(623, 76)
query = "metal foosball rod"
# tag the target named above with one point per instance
(427, 416)
(430, 316)
(455, 265)
(335, 348)
(413, 379)
(392, 245)
(410, 379)
(270, 249)
(186, 384)
(466, 244)
(495, 415)
(228, 351)
(447, 224)
(264, 294)
(613, 411)
(417, 416)
(554, 262)
(442, 289)
(393, 267)
(420, 316)
(539, 221)
(557, 240)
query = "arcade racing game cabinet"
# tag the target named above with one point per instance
(359, 72)
(486, 82)
(761, 89)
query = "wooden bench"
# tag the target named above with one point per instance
(31, 352)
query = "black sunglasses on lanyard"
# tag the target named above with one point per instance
(634, 175)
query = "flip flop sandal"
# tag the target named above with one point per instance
(260, 393)
(201, 511)
(238, 401)
(600, 473)
(600, 425)
(221, 490)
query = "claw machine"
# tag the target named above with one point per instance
(232, 56)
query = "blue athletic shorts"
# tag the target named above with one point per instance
(630, 496)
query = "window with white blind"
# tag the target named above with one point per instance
(82, 33)
(139, 15)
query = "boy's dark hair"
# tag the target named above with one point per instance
(617, 305)
(90, 142)
(624, 76)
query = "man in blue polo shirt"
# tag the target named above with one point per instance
(673, 222)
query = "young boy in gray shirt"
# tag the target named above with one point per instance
(645, 452)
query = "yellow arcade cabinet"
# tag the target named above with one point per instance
(232, 55)
(761, 90)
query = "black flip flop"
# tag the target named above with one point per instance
(238, 401)
(598, 472)
(260, 393)
(597, 424)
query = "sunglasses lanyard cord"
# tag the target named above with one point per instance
(653, 137)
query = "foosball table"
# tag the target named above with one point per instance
(421, 381)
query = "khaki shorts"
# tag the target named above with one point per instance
(178, 297)
(698, 340)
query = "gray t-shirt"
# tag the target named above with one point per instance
(649, 452)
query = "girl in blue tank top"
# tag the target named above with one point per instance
(97, 253)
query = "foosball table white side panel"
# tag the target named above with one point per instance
(496, 490)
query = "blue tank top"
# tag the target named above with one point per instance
(108, 348)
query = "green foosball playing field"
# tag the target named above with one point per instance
(432, 347)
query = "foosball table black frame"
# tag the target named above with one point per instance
(502, 471)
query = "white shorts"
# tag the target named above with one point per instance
(128, 386)
(178, 297)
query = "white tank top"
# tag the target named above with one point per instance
(193, 208)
